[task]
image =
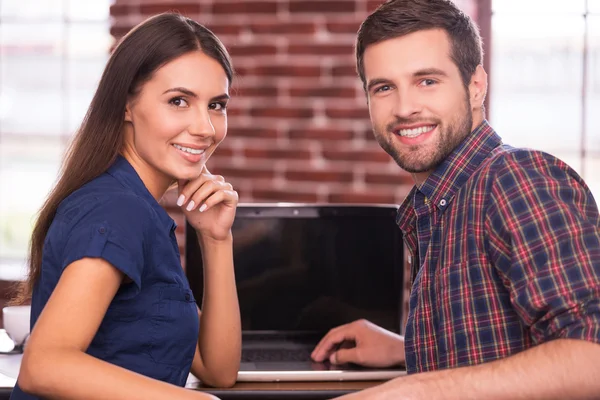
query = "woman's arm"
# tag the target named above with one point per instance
(209, 204)
(55, 364)
(217, 360)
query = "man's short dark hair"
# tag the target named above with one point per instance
(397, 18)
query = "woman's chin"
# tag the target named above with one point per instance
(189, 175)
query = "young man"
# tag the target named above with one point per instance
(504, 242)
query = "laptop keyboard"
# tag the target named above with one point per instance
(256, 355)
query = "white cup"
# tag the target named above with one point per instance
(16, 322)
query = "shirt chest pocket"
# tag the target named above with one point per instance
(174, 328)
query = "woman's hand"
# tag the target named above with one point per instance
(209, 204)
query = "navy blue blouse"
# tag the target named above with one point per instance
(151, 326)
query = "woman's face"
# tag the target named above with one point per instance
(177, 120)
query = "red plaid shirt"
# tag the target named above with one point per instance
(505, 250)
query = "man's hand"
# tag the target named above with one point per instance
(373, 346)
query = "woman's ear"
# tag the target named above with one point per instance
(128, 117)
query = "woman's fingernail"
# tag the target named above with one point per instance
(190, 206)
(180, 200)
(203, 207)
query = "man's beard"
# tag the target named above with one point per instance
(414, 161)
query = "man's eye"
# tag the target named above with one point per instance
(383, 88)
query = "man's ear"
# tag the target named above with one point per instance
(478, 88)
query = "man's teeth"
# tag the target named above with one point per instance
(416, 131)
(188, 150)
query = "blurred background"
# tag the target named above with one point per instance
(299, 127)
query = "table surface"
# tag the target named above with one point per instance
(9, 367)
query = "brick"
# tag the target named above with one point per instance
(183, 8)
(327, 91)
(322, 6)
(399, 178)
(283, 154)
(253, 132)
(275, 28)
(119, 31)
(247, 172)
(280, 112)
(348, 113)
(343, 27)
(287, 70)
(252, 50)
(222, 151)
(225, 29)
(320, 133)
(319, 176)
(283, 196)
(373, 4)
(256, 91)
(379, 155)
(344, 70)
(241, 70)
(322, 50)
(244, 7)
(369, 135)
(121, 9)
(362, 198)
(235, 111)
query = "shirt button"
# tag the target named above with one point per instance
(187, 296)
(101, 230)
(443, 203)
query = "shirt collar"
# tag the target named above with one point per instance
(441, 186)
(124, 172)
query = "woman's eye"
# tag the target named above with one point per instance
(217, 106)
(178, 102)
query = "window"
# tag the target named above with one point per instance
(545, 79)
(52, 53)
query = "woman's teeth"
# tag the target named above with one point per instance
(416, 131)
(188, 150)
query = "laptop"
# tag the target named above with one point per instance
(301, 270)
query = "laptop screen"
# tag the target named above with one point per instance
(312, 267)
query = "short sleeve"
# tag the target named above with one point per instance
(114, 230)
(544, 236)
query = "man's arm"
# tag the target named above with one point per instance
(559, 369)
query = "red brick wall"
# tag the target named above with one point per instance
(299, 126)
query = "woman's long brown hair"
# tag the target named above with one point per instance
(95, 146)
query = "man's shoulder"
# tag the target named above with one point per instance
(506, 159)
(509, 168)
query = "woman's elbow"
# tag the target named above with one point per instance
(31, 375)
(228, 381)
(222, 380)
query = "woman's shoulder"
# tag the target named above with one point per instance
(105, 199)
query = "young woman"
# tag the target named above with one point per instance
(113, 316)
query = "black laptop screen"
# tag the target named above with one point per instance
(308, 268)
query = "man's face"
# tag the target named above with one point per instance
(419, 106)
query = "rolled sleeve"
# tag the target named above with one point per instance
(115, 231)
(543, 230)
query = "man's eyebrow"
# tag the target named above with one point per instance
(429, 71)
(375, 82)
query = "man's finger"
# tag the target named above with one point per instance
(330, 342)
(343, 356)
